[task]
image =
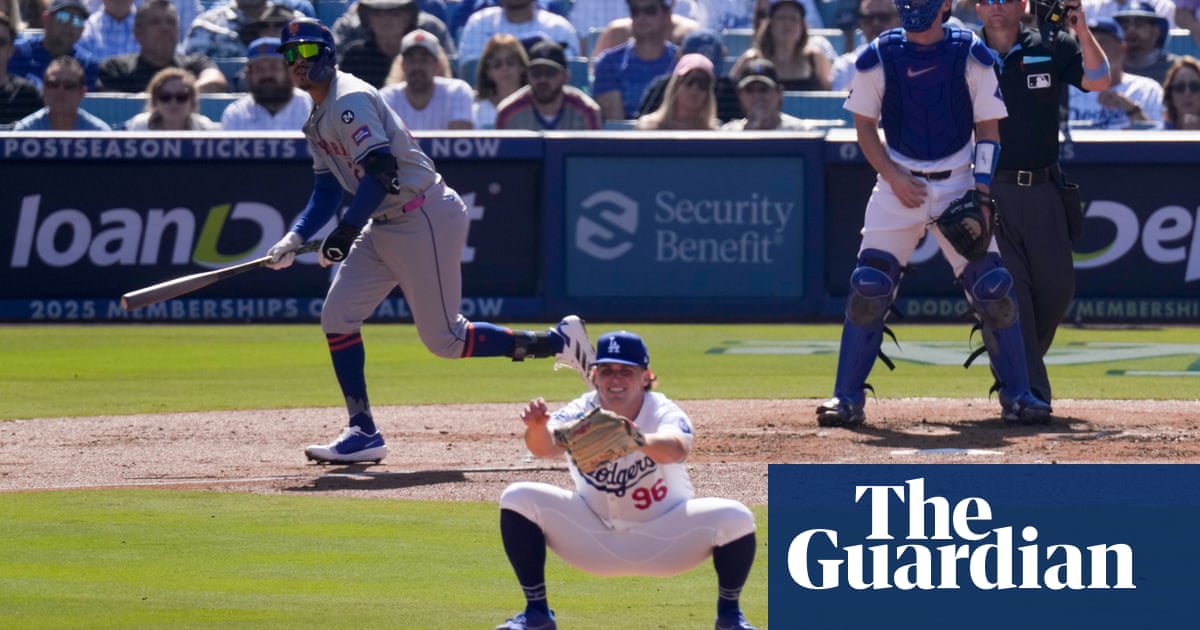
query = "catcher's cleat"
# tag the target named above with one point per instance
(352, 447)
(733, 622)
(530, 620)
(577, 351)
(1025, 409)
(836, 412)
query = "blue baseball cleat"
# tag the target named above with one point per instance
(838, 412)
(352, 447)
(1025, 409)
(529, 620)
(733, 622)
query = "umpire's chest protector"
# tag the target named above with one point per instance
(926, 112)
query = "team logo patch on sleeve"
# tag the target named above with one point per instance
(360, 134)
(347, 117)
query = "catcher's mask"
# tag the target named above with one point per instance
(918, 15)
(310, 40)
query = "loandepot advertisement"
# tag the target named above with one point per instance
(983, 546)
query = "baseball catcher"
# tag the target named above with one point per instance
(968, 223)
(599, 437)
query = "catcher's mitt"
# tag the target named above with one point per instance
(598, 438)
(968, 224)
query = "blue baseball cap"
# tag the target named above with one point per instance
(1106, 25)
(622, 347)
(264, 47)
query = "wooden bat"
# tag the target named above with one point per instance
(183, 285)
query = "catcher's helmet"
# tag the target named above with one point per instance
(918, 15)
(308, 30)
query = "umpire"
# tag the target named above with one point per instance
(1040, 214)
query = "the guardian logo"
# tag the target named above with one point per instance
(948, 545)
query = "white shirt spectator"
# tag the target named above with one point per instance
(105, 36)
(1146, 92)
(483, 114)
(245, 114)
(1106, 8)
(452, 100)
(487, 22)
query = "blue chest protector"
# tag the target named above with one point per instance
(927, 112)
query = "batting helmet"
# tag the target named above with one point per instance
(308, 30)
(918, 15)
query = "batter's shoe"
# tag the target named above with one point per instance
(577, 351)
(529, 620)
(837, 412)
(352, 447)
(1025, 409)
(733, 622)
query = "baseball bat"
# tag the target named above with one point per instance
(183, 285)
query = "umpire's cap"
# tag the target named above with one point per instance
(305, 30)
(622, 347)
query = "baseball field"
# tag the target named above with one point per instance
(153, 476)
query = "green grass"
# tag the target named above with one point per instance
(164, 559)
(48, 371)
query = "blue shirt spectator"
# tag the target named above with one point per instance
(187, 10)
(62, 28)
(63, 91)
(109, 32)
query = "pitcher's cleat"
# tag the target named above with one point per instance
(733, 622)
(1025, 409)
(836, 412)
(530, 620)
(577, 352)
(352, 447)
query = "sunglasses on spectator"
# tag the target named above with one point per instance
(650, 10)
(1190, 87)
(70, 19)
(304, 50)
(178, 97)
(65, 85)
(499, 62)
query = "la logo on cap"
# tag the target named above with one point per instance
(613, 346)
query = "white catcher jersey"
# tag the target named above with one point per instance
(635, 488)
(353, 121)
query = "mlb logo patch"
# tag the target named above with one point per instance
(1038, 81)
(360, 134)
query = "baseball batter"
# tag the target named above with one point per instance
(638, 515)
(404, 227)
(934, 92)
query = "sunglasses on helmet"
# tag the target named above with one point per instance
(303, 50)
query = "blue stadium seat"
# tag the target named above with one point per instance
(115, 108)
(1181, 43)
(817, 105)
(213, 105)
(230, 67)
(737, 40)
(328, 11)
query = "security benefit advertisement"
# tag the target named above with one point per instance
(983, 546)
(77, 235)
(684, 227)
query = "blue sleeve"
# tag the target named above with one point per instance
(366, 201)
(322, 204)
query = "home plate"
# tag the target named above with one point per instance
(944, 451)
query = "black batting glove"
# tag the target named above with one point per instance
(337, 245)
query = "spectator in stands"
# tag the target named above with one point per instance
(1108, 8)
(520, 18)
(707, 43)
(187, 10)
(1146, 35)
(427, 98)
(174, 105)
(720, 15)
(761, 98)
(812, 13)
(156, 28)
(549, 103)
(19, 96)
(624, 72)
(273, 102)
(63, 89)
(385, 23)
(689, 102)
(802, 61)
(503, 69)
(1131, 101)
(467, 8)
(63, 23)
(1182, 92)
(964, 11)
(874, 17)
(109, 31)
(217, 33)
(1187, 15)
(349, 26)
(620, 30)
(587, 15)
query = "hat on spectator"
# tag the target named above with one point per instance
(1146, 10)
(385, 5)
(665, 3)
(694, 61)
(548, 53)
(622, 347)
(775, 4)
(421, 39)
(263, 47)
(707, 43)
(758, 71)
(59, 5)
(1106, 25)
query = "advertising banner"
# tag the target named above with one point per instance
(982, 546)
(677, 227)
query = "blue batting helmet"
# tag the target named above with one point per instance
(918, 15)
(308, 30)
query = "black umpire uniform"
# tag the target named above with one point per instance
(1035, 230)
